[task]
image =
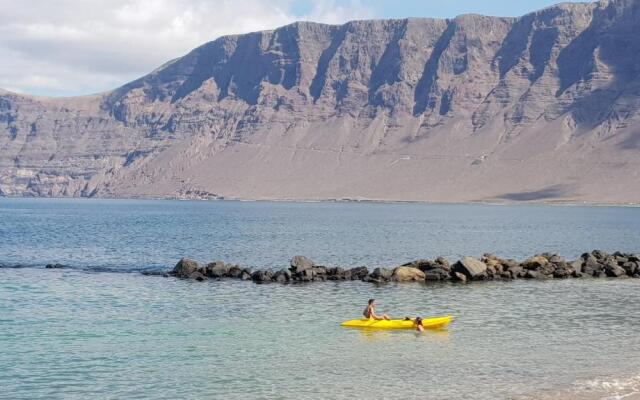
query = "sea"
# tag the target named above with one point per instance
(109, 326)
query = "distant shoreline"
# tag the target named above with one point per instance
(559, 203)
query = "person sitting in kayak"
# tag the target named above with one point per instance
(370, 311)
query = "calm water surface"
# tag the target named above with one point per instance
(134, 234)
(80, 333)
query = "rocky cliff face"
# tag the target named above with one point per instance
(542, 107)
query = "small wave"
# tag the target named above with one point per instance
(611, 388)
(601, 388)
(145, 270)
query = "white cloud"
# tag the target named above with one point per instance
(68, 47)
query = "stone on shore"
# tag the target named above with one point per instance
(337, 274)
(533, 274)
(198, 276)
(185, 268)
(503, 268)
(443, 263)
(437, 274)
(379, 275)
(425, 265)
(631, 267)
(235, 271)
(564, 271)
(55, 266)
(358, 273)
(407, 274)
(320, 273)
(614, 271)
(459, 277)
(262, 276)
(300, 263)
(472, 268)
(282, 276)
(217, 269)
(541, 266)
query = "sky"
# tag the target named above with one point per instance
(78, 47)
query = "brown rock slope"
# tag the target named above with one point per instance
(542, 107)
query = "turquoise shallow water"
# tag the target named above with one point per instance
(71, 334)
(80, 333)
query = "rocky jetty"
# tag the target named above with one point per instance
(596, 264)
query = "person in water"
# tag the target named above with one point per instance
(417, 321)
(370, 311)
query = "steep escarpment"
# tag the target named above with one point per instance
(541, 107)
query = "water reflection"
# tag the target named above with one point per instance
(377, 335)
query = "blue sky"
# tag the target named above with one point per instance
(75, 47)
(442, 8)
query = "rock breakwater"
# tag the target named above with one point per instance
(595, 264)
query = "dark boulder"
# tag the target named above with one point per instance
(621, 259)
(55, 266)
(425, 265)
(533, 274)
(153, 272)
(631, 267)
(472, 268)
(506, 275)
(310, 274)
(262, 276)
(564, 271)
(591, 266)
(306, 275)
(437, 274)
(282, 276)
(420, 264)
(217, 270)
(198, 276)
(235, 271)
(358, 273)
(514, 270)
(381, 272)
(337, 274)
(614, 271)
(379, 275)
(185, 267)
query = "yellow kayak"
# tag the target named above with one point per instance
(427, 323)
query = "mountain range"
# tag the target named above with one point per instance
(543, 107)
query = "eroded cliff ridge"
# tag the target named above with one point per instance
(541, 107)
